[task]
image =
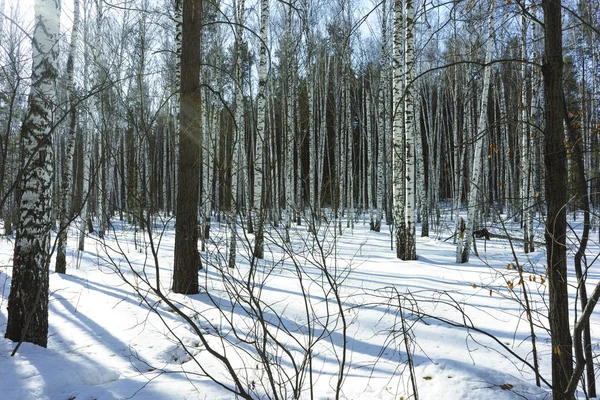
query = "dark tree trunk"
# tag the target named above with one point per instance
(556, 181)
(583, 339)
(187, 257)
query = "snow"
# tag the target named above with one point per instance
(107, 342)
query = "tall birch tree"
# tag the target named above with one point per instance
(67, 175)
(259, 164)
(464, 243)
(28, 299)
(410, 95)
(238, 152)
(398, 136)
(382, 125)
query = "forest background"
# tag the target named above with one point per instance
(267, 114)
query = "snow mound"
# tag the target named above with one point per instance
(458, 380)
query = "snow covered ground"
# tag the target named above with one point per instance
(357, 308)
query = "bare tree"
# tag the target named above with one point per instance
(259, 162)
(28, 299)
(464, 248)
(556, 220)
(187, 258)
(67, 175)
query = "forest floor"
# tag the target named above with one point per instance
(345, 296)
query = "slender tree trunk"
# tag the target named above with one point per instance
(259, 164)
(67, 175)
(475, 186)
(399, 151)
(237, 166)
(583, 340)
(382, 125)
(323, 132)
(556, 199)
(526, 156)
(410, 252)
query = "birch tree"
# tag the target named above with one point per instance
(398, 136)
(28, 299)
(67, 174)
(383, 116)
(410, 253)
(259, 164)
(527, 147)
(464, 243)
(238, 153)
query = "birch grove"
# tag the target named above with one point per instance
(239, 124)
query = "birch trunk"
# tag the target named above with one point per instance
(382, 125)
(369, 158)
(410, 252)
(259, 164)
(67, 175)
(526, 154)
(237, 166)
(28, 299)
(398, 171)
(349, 128)
(464, 252)
(85, 172)
(289, 129)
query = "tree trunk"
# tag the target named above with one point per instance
(259, 164)
(556, 199)
(410, 253)
(398, 133)
(67, 175)
(28, 299)
(187, 258)
(475, 185)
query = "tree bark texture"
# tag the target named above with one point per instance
(187, 258)
(556, 198)
(28, 299)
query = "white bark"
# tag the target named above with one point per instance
(369, 153)
(479, 141)
(310, 88)
(259, 164)
(87, 146)
(410, 252)
(398, 178)
(28, 300)
(67, 174)
(527, 147)
(382, 123)
(237, 165)
(349, 129)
